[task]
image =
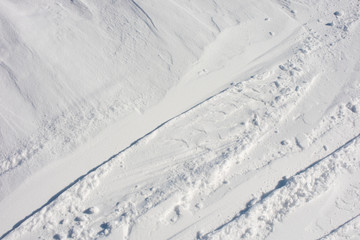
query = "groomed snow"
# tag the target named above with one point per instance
(180, 119)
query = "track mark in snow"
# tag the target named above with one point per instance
(152, 27)
(81, 8)
(348, 228)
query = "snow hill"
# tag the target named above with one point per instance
(134, 119)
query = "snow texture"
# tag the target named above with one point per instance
(133, 119)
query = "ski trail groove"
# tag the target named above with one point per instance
(153, 26)
(339, 227)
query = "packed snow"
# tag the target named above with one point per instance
(134, 119)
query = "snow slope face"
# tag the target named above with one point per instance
(69, 68)
(273, 155)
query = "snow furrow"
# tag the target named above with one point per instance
(348, 228)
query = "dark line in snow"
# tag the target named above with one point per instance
(339, 227)
(146, 15)
(330, 154)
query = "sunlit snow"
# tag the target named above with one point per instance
(179, 119)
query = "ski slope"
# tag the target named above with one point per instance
(180, 120)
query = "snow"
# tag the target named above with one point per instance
(179, 119)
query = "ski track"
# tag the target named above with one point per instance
(233, 166)
(341, 231)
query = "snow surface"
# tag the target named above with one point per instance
(178, 119)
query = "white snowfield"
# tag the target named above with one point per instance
(178, 119)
